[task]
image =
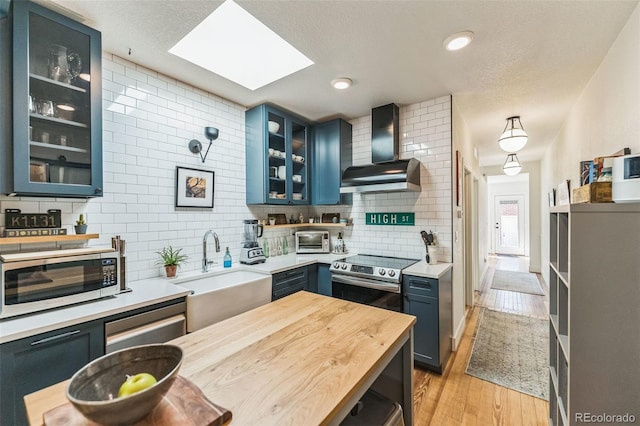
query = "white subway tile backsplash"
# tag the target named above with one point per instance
(148, 120)
(425, 136)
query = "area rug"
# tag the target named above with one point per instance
(512, 351)
(521, 282)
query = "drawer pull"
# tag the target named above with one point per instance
(52, 338)
(421, 285)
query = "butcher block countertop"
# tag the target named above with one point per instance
(305, 359)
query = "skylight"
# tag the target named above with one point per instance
(233, 44)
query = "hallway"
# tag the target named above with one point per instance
(508, 301)
(456, 398)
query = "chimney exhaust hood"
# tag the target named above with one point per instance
(387, 173)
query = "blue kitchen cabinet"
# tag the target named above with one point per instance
(36, 362)
(277, 157)
(312, 278)
(429, 300)
(294, 280)
(52, 140)
(332, 154)
(324, 279)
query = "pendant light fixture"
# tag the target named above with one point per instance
(514, 138)
(512, 166)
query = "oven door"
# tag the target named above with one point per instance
(368, 292)
(312, 242)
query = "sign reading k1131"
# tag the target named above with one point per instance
(406, 219)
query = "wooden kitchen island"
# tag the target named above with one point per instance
(305, 359)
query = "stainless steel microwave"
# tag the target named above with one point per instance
(32, 282)
(312, 242)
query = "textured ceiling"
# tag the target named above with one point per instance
(528, 58)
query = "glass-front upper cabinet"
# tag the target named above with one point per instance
(277, 163)
(57, 104)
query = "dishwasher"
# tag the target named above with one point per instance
(156, 326)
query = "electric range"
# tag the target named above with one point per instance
(382, 268)
(369, 279)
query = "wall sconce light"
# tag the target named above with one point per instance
(195, 146)
(512, 165)
(514, 138)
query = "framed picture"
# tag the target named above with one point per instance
(586, 172)
(194, 187)
(458, 179)
(563, 193)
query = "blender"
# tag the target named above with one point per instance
(251, 252)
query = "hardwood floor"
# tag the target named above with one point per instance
(455, 398)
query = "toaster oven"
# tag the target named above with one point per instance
(312, 242)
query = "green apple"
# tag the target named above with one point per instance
(136, 383)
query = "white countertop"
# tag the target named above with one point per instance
(156, 290)
(145, 293)
(423, 269)
(276, 264)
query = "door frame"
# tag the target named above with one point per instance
(470, 235)
(522, 224)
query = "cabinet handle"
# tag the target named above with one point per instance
(98, 191)
(420, 285)
(59, 336)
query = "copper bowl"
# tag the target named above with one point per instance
(93, 390)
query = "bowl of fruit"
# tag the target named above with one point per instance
(125, 386)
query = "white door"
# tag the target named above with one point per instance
(509, 224)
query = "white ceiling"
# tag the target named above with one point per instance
(529, 58)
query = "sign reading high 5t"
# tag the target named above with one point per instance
(407, 219)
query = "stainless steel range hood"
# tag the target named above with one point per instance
(387, 173)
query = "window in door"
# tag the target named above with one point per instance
(509, 225)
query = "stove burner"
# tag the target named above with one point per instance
(381, 261)
(380, 268)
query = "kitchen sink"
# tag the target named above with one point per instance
(219, 295)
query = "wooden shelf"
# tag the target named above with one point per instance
(47, 239)
(312, 225)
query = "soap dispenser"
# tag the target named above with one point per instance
(227, 259)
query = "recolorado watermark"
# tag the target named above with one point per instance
(604, 418)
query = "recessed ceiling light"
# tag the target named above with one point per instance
(235, 45)
(341, 83)
(458, 40)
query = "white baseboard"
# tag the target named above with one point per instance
(484, 271)
(457, 336)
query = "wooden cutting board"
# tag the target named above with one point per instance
(184, 405)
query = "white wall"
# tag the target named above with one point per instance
(462, 142)
(603, 120)
(148, 121)
(425, 134)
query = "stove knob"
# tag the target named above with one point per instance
(381, 272)
(344, 266)
(392, 273)
(336, 265)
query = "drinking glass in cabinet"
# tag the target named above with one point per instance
(62, 66)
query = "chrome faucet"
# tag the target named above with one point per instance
(205, 261)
